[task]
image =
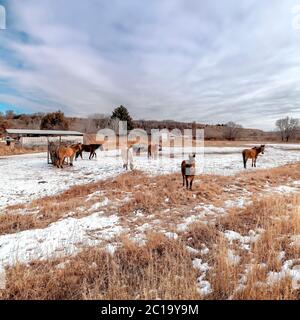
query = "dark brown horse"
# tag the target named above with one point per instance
(252, 154)
(91, 148)
(188, 171)
(153, 150)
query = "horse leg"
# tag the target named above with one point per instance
(60, 162)
(191, 183)
(255, 162)
(187, 182)
(63, 161)
(183, 178)
(71, 160)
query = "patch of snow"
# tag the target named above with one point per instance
(110, 248)
(138, 213)
(284, 189)
(237, 203)
(21, 175)
(171, 235)
(281, 255)
(192, 250)
(197, 264)
(187, 221)
(93, 195)
(64, 237)
(296, 240)
(245, 241)
(290, 269)
(144, 227)
(203, 287)
(204, 251)
(98, 205)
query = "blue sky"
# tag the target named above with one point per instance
(209, 61)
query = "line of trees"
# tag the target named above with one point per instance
(287, 128)
(232, 130)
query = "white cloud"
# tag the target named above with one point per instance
(209, 61)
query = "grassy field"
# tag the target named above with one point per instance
(15, 150)
(246, 252)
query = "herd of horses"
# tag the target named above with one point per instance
(60, 153)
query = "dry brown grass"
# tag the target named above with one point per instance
(160, 269)
(163, 268)
(279, 217)
(16, 150)
(147, 193)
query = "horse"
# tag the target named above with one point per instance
(153, 150)
(252, 154)
(64, 152)
(188, 171)
(127, 158)
(91, 148)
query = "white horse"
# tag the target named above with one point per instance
(127, 158)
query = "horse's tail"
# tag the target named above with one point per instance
(244, 158)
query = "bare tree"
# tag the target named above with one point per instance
(114, 124)
(232, 130)
(97, 121)
(287, 127)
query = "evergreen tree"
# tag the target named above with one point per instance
(122, 114)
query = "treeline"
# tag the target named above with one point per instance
(287, 128)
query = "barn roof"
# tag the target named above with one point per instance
(44, 132)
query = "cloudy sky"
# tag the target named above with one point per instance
(206, 60)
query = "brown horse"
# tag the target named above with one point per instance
(91, 148)
(188, 171)
(252, 154)
(64, 152)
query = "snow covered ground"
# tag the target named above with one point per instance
(61, 238)
(27, 177)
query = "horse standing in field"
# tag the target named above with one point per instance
(153, 150)
(188, 171)
(91, 148)
(252, 154)
(64, 152)
(127, 158)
